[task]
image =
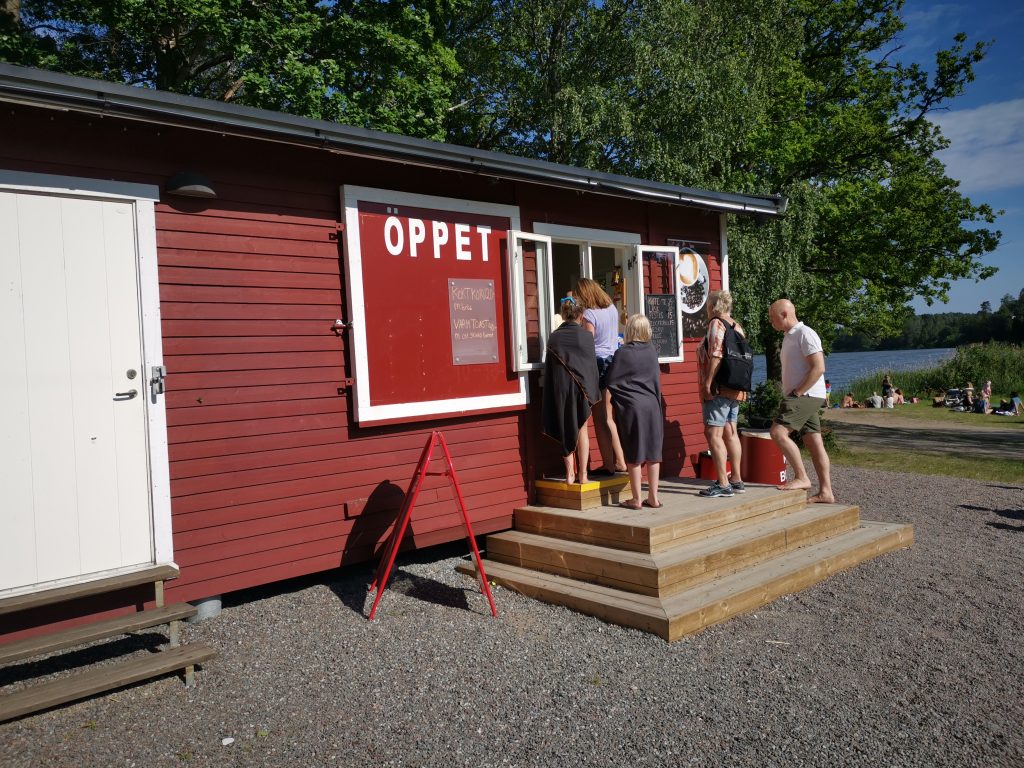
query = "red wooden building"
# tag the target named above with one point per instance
(227, 332)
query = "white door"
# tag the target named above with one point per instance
(74, 465)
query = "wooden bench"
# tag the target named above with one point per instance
(104, 676)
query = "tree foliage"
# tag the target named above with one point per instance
(807, 98)
(802, 97)
(948, 329)
(380, 65)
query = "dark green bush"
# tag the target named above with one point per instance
(762, 405)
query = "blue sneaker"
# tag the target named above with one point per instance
(714, 491)
(738, 486)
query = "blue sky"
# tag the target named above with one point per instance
(985, 126)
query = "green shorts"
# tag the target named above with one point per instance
(800, 414)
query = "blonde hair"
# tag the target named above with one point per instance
(591, 295)
(638, 328)
(720, 302)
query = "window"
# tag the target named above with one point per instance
(546, 266)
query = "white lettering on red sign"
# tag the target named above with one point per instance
(417, 235)
(397, 232)
(440, 237)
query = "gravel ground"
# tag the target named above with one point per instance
(912, 659)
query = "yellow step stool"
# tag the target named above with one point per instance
(596, 493)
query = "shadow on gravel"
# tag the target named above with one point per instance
(64, 662)
(353, 592)
(1009, 514)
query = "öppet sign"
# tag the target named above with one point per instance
(427, 348)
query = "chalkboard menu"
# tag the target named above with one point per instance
(660, 309)
(474, 329)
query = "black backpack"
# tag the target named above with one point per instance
(737, 367)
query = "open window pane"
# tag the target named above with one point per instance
(658, 285)
(531, 297)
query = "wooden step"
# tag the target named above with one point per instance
(103, 678)
(715, 601)
(97, 586)
(666, 572)
(751, 588)
(684, 516)
(119, 625)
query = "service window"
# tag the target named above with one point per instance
(428, 295)
(639, 278)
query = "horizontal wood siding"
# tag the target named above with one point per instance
(270, 476)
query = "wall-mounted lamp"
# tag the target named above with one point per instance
(190, 184)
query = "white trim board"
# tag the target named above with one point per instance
(587, 235)
(366, 412)
(23, 181)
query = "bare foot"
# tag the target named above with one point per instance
(631, 504)
(821, 498)
(583, 480)
(795, 485)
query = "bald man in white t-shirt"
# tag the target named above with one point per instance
(803, 387)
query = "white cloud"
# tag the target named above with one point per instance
(986, 145)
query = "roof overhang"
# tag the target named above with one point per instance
(51, 90)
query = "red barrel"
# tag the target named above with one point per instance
(763, 461)
(704, 466)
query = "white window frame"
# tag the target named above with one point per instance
(365, 411)
(143, 198)
(636, 271)
(517, 298)
(588, 238)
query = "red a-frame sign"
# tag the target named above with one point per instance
(391, 550)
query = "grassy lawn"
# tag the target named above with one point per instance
(1000, 470)
(927, 411)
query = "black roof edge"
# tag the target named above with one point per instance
(35, 87)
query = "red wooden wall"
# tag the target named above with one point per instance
(270, 475)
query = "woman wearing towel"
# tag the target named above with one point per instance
(635, 385)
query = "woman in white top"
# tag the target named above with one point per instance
(601, 318)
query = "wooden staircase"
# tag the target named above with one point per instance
(104, 677)
(693, 563)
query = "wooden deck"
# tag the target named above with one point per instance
(693, 563)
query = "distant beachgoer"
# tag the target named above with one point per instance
(848, 401)
(897, 397)
(828, 393)
(887, 392)
(875, 401)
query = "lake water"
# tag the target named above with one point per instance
(843, 367)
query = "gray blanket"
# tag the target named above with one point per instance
(635, 384)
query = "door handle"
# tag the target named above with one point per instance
(126, 395)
